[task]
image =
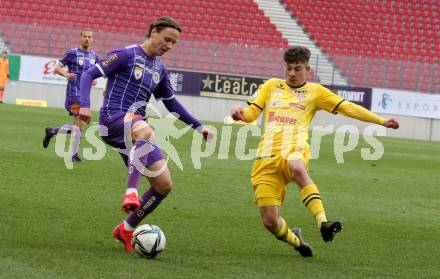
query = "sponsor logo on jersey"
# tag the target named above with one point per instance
(110, 59)
(278, 94)
(275, 104)
(299, 91)
(273, 117)
(297, 106)
(146, 69)
(139, 58)
(157, 65)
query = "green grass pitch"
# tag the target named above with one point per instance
(56, 223)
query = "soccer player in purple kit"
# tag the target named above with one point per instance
(134, 74)
(77, 60)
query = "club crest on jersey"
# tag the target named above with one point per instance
(301, 97)
(81, 61)
(156, 77)
(300, 94)
(138, 71)
(92, 61)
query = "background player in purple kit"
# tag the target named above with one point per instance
(134, 74)
(77, 60)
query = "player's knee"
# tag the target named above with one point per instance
(298, 171)
(165, 187)
(145, 134)
(142, 131)
(270, 223)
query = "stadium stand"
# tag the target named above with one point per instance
(394, 43)
(212, 41)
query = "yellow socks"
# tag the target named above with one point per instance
(285, 234)
(312, 200)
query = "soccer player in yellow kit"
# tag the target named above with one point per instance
(283, 152)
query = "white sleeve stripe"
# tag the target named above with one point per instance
(165, 99)
(101, 70)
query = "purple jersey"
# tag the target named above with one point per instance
(77, 61)
(133, 77)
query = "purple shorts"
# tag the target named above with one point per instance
(72, 105)
(115, 135)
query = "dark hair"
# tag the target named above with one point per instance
(163, 23)
(85, 30)
(5, 51)
(297, 54)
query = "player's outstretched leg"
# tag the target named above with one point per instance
(312, 200)
(124, 236)
(329, 229)
(304, 248)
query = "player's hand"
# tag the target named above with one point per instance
(71, 76)
(94, 82)
(207, 134)
(237, 113)
(85, 115)
(391, 123)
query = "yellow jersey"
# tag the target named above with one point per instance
(288, 113)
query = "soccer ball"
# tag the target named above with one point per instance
(148, 241)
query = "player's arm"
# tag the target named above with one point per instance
(248, 115)
(360, 113)
(95, 82)
(333, 103)
(60, 71)
(85, 86)
(59, 67)
(165, 93)
(256, 105)
(112, 63)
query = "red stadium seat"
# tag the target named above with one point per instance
(392, 31)
(389, 30)
(103, 16)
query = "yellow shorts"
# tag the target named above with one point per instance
(270, 177)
